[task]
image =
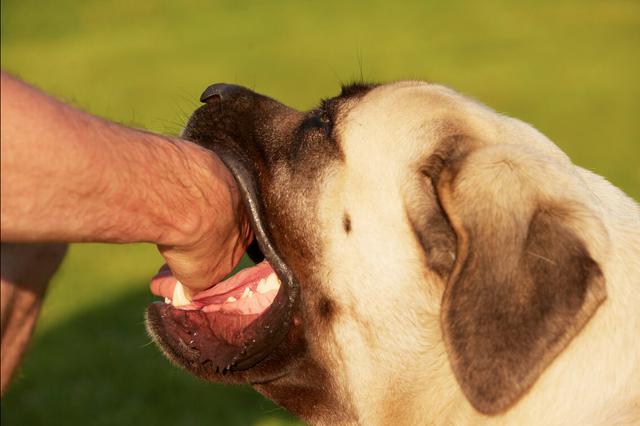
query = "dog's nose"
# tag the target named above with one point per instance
(222, 91)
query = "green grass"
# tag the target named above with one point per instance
(568, 67)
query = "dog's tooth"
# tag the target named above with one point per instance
(261, 286)
(273, 278)
(180, 297)
(247, 293)
(167, 300)
(231, 299)
(271, 283)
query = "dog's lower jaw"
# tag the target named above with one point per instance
(315, 405)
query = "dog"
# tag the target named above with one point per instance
(436, 263)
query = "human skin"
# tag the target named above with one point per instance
(68, 176)
(26, 270)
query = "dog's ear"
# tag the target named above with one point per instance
(522, 283)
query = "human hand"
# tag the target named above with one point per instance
(215, 246)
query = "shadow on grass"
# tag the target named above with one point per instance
(99, 368)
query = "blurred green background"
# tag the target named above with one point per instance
(569, 67)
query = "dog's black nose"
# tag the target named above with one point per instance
(222, 91)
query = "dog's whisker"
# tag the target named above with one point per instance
(546, 259)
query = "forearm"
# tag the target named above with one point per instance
(25, 273)
(69, 176)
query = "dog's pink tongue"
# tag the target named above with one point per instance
(250, 291)
(244, 278)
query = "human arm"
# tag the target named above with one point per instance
(25, 272)
(68, 176)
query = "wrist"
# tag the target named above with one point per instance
(202, 193)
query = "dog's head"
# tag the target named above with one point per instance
(418, 236)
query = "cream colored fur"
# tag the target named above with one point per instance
(399, 373)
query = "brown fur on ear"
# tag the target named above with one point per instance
(523, 283)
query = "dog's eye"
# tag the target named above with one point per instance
(319, 119)
(324, 118)
(317, 123)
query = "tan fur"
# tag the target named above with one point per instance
(378, 278)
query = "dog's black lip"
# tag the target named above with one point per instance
(240, 167)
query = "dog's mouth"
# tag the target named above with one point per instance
(235, 324)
